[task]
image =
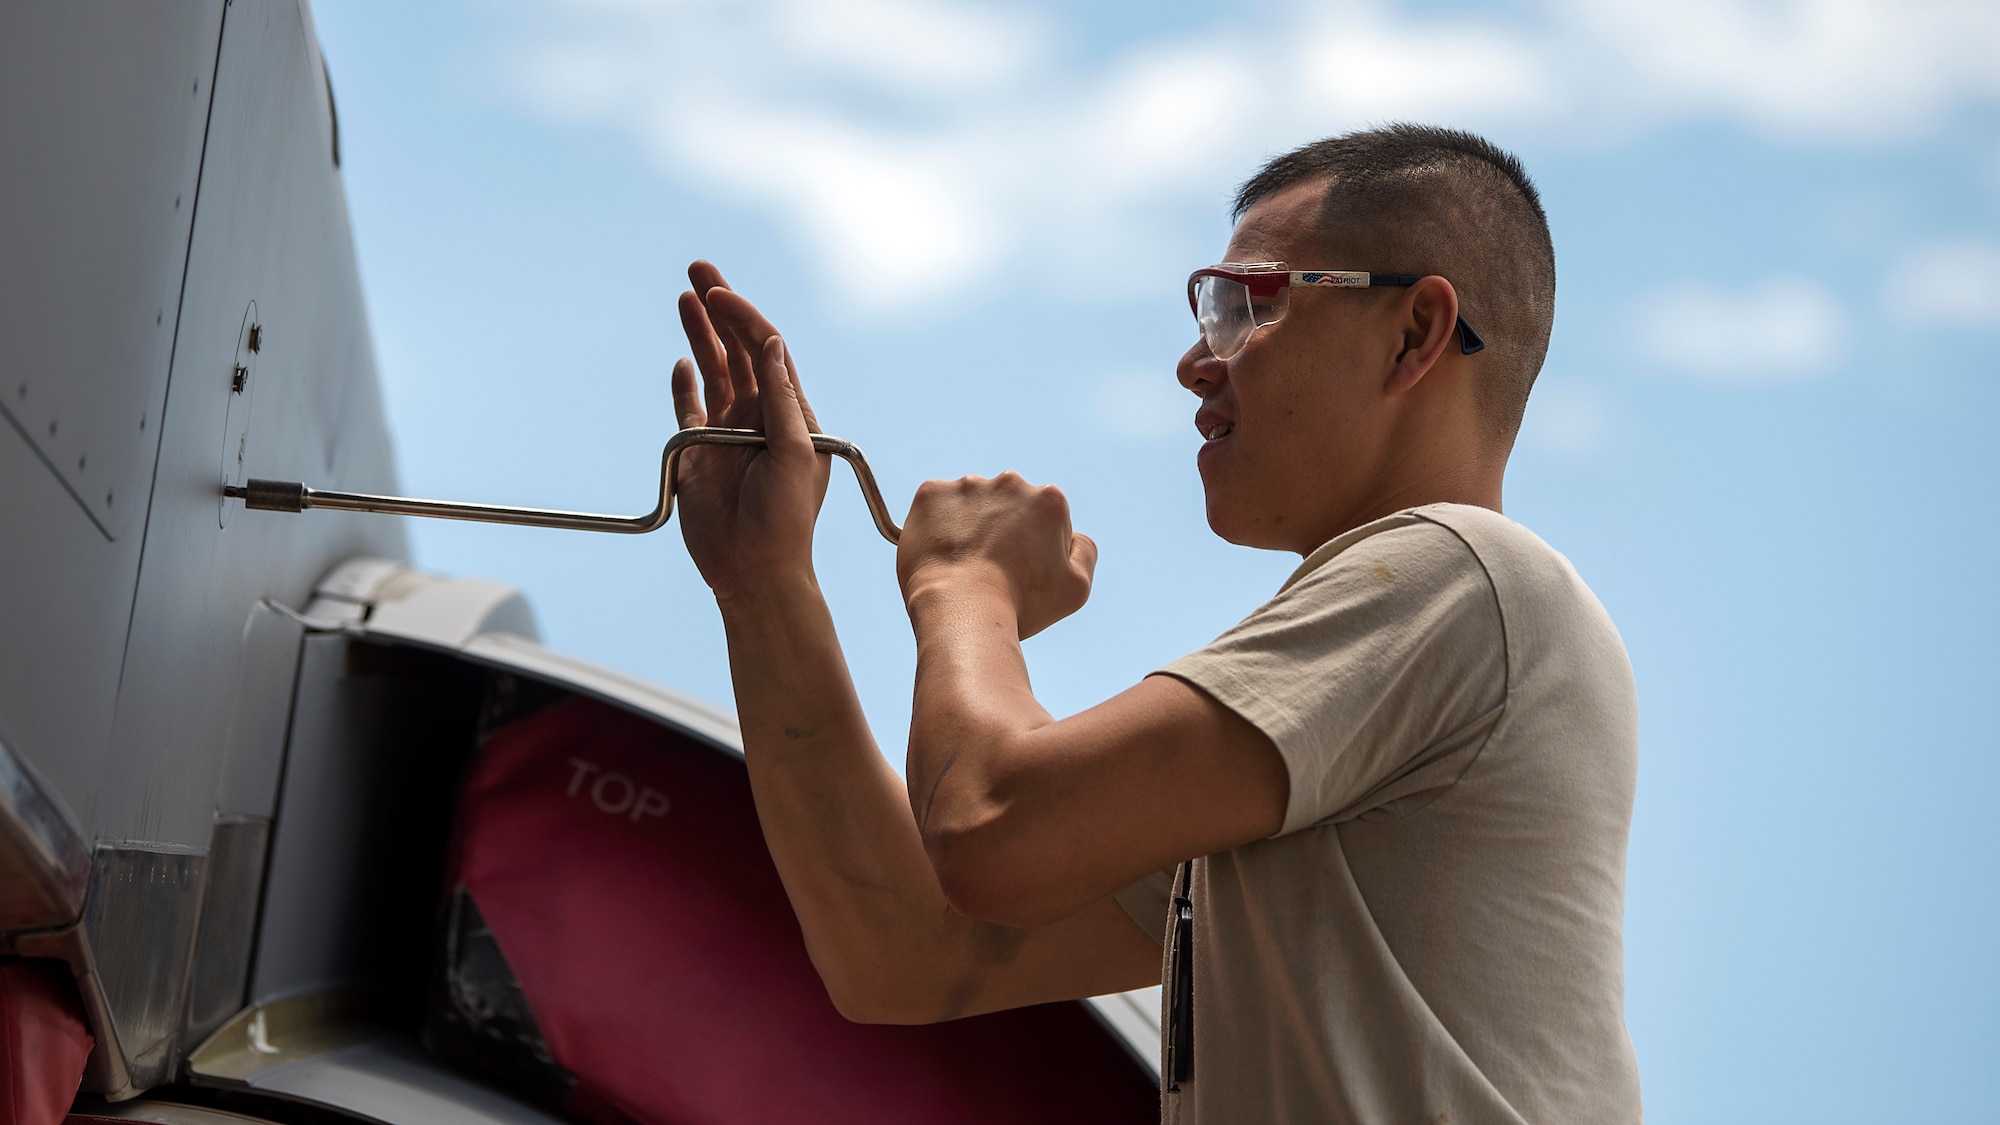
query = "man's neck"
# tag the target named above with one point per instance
(1470, 482)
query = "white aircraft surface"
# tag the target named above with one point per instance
(248, 787)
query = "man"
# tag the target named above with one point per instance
(1404, 783)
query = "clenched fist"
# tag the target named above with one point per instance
(1002, 534)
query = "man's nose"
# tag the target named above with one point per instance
(1199, 371)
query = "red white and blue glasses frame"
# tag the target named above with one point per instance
(1232, 300)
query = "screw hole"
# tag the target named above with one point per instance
(107, 499)
(52, 427)
(81, 461)
(142, 422)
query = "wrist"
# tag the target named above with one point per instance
(958, 592)
(764, 589)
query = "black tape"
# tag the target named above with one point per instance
(274, 495)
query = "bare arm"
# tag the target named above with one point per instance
(888, 945)
(1026, 818)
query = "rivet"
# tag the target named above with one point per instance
(80, 460)
(142, 423)
(24, 390)
(107, 499)
(158, 315)
(256, 337)
(237, 377)
(177, 202)
(52, 427)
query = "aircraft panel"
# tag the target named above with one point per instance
(102, 107)
(273, 350)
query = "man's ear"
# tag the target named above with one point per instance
(1428, 317)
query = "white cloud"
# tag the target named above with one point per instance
(1779, 331)
(894, 223)
(1160, 113)
(1365, 65)
(1951, 283)
(1144, 405)
(922, 46)
(956, 137)
(1858, 68)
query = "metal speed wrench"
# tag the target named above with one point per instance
(292, 496)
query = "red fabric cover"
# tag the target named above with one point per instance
(623, 873)
(43, 1042)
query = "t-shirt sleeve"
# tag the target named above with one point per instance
(1146, 901)
(1376, 673)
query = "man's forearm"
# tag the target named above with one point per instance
(981, 784)
(835, 815)
(972, 692)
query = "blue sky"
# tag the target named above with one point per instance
(1764, 433)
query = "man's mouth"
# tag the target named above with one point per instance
(1219, 431)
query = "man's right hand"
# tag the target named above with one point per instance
(747, 514)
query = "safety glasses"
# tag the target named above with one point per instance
(1234, 299)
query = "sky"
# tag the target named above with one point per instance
(1764, 433)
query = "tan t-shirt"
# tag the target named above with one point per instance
(1434, 935)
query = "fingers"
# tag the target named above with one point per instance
(743, 350)
(805, 408)
(741, 331)
(1083, 554)
(734, 312)
(688, 411)
(703, 275)
(785, 433)
(747, 331)
(737, 318)
(709, 355)
(740, 355)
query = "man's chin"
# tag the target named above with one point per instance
(1231, 517)
(1229, 521)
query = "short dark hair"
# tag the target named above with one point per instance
(1421, 199)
